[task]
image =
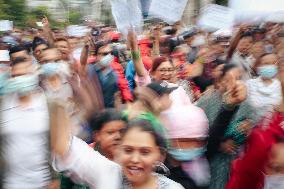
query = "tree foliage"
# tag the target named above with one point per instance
(17, 11)
(14, 10)
(75, 17)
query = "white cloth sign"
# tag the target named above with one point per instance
(255, 10)
(214, 17)
(127, 14)
(77, 31)
(6, 25)
(170, 11)
(4, 55)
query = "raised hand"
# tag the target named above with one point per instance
(88, 41)
(228, 146)
(45, 22)
(236, 94)
(132, 39)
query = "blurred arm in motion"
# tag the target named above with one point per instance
(75, 158)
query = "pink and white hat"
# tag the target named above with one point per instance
(186, 121)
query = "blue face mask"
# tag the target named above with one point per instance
(50, 68)
(186, 154)
(4, 75)
(267, 71)
(21, 84)
(106, 61)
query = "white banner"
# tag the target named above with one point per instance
(170, 11)
(6, 25)
(215, 17)
(127, 14)
(255, 10)
(4, 55)
(77, 31)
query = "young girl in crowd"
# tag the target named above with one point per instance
(107, 127)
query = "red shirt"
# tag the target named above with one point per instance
(122, 81)
(247, 171)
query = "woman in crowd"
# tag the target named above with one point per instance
(187, 128)
(162, 69)
(227, 132)
(248, 170)
(264, 92)
(142, 148)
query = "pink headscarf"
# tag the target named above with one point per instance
(185, 121)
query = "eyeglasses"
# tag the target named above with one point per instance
(166, 70)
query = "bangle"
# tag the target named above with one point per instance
(135, 54)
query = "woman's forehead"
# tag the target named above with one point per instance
(166, 64)
(135, 137)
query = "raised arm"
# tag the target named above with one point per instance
(47, 31)
(77, 158)
(136, 56)
(235, 41)
(156, 42)
(60, 132)
(89, 44)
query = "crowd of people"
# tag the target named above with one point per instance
(169, 108)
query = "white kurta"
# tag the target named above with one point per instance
(262, 97)
(88, 167)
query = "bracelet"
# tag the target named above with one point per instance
(135, 54)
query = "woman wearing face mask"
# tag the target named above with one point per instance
(141, 151)
(264, 92)
(228, 116)
(248, 170)
(187, 128)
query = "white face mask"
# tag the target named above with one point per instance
(274, 181)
